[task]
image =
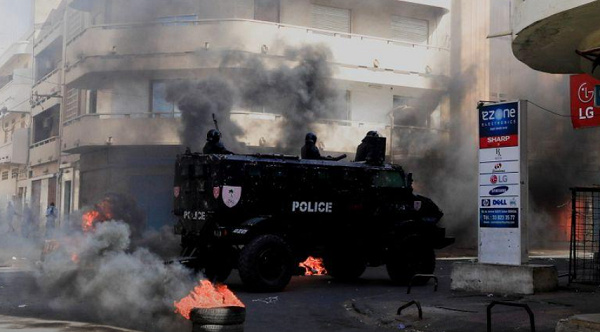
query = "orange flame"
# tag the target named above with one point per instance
(313, 266)
(207, 295)
(88, 220)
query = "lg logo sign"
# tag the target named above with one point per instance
(585, 94)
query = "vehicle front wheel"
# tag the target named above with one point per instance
(266, 264)
(410, 259)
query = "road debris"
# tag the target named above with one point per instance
(267, 300)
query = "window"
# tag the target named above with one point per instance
(177, 20)
(45, 124)
(15, 173)
(4, 175)
(388, 179)
(266, 10)
(92, 101)
(159, 99)
(330, 18)
(67, 197)
(410, 30)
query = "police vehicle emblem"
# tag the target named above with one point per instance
(231, 195)
(417, 205)
(216, 192)
(176, 191)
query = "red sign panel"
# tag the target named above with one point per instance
(583, 112)
(498, 141)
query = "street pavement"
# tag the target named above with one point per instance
(320, 303)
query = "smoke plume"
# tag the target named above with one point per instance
(198, 102)
(128, 288)
(300, 89)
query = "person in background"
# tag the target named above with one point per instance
(51, 215)
(310, 149)
(10, 216)
(213, 143)
(365, 147)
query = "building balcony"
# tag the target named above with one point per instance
(261, 130)
(550, 32)
(15, 96)
(15, 53)
(49, 85)
(192, 48)
(47, 36)
(43, 152)
(92, 131)
(15, 152)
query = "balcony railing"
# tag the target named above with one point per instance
(279, 26)
(43, 142)
(105, 116)
(260, 129)
(105, 48)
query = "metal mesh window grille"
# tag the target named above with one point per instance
(584, 255)
(72, 104)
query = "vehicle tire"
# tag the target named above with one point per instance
(218, 328)
(218, 316)
(411, 258)
(344, 266)
(266, 264)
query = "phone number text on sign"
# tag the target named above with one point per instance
(499, 218)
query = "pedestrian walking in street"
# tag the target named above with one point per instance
(10, 216)
(51, 215)
(29, 227)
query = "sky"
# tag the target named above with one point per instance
(15, 20)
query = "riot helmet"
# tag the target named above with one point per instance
(372, 133)
(213, 135)
(311, 137)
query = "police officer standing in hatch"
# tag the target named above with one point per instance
(310, 150)
(365, 147)
(213, 143)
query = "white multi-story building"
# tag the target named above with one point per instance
(15, 91)
(101, 122)
(557, 36)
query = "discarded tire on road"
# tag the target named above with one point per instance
(218, 328)
(230, 319)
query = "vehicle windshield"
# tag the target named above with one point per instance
(389, 179)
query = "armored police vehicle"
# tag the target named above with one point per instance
(264, 214)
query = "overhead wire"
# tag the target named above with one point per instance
(549, 110)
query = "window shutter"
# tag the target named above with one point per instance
(410, 30)
(329, 18)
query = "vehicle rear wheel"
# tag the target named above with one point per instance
(409, 259)
(344, 266)
(266, 264)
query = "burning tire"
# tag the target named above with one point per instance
(344, 266)
(411, 258)
(218, 328)
(266, 264)
(218, 316)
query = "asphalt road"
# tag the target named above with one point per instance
(319, 303)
